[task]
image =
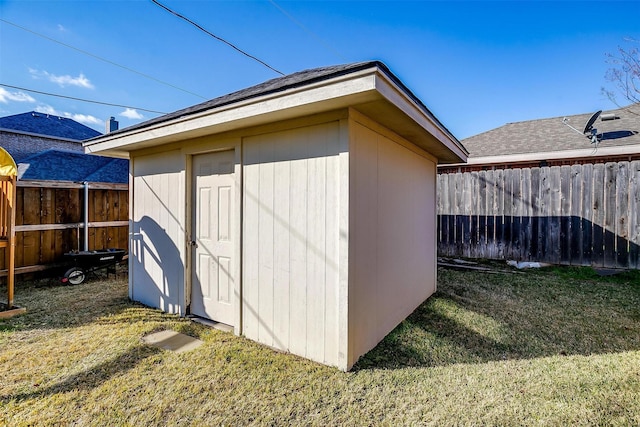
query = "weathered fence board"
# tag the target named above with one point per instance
(575, 234)
(575, 215)
(634, 220)
(622, 216)
(586, 223)
(565, 220)
(498, 206)
(597, 221)
(609, 228)
(527, 213)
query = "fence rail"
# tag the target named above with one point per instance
(575, 215)
(50, 221)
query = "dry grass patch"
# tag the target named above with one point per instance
(540, 348)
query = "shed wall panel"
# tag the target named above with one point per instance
(393, 233)
(291, 240)
(157, 236)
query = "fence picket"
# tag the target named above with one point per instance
(491, 251)
(575, 224)
(621, 217)
(564, 215)
(598, 207)
(634, 219)
(586, 215)
(526, 213)
(609, 227)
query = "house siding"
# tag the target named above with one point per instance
(21, 146)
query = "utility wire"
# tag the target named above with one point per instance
(216, 37)
(308, 31)
(80, 99)
(102, 59)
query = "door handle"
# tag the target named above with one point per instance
(193, 243)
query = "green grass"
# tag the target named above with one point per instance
(551, 347)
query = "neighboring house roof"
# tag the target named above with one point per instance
(57, 165)
(369, 85)
(547, 139)
(47, 125)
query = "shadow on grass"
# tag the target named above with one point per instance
(476, 318)
(90, 378)
(429, 339)
(53, 306)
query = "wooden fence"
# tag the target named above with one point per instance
(574, 215)
(50, 221)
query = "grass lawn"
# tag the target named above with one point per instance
(553, 347)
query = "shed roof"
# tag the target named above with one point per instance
(543, 139)
(59, 165)
(367, 86)
(50, 125)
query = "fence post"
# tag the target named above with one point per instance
(86, 215)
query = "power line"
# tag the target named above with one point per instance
(81, 99)
(308, 31)
(216, 37)
(102, 59)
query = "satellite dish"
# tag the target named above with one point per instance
(589, 126)
(589, 130)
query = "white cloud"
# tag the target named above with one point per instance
(62, 81)
(80, 81)
(61, 28)
(6, 96)
(80, 118)
(47, 109)
(131, 113)
(85, 118)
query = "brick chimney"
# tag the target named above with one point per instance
(112, 125)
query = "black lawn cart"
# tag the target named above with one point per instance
(85, 262)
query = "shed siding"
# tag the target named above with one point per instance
(156, 274)
(392, 228)
(291, 240)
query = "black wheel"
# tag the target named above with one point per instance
(74, 276)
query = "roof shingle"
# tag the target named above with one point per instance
(281, 84)
(58, 165)
(48, 124)
(551, 134)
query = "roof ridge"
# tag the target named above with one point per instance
(48, 125)
(576, 115)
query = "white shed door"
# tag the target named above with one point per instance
(212, 258)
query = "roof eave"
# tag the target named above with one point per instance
(442, 143)
(369, 86)
(329, 94)
(40, 135)
(585, 153)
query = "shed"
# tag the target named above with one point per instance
(300, 211)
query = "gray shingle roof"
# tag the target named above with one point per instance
(280, 84)
(48, 124)
(545, 135)
(58, 165)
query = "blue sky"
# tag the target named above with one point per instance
(476, 65)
